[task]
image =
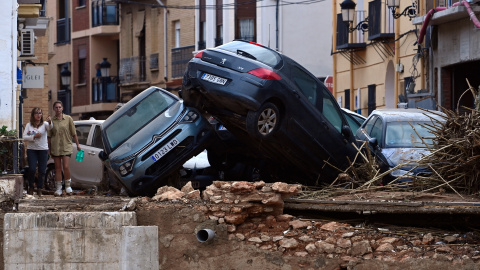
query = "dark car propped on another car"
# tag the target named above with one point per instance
(273, 104)
(150, 137)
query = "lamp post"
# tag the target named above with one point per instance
(348, 16)
(65, 75)
(105, 68)
(409, 11)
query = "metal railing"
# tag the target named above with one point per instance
(63, 30)
(104, 13)
(347, 40)
(380, 21)
(132, 69)
(105, 89)
(180, 58)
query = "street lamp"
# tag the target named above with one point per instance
(409, 11)
(348, 16)
(105, 68)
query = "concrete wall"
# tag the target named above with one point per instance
(78, 240)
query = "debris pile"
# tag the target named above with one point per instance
(456, 160)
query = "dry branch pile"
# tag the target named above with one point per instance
(454, 161)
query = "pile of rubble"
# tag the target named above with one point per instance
(253, 213)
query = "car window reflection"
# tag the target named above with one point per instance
(137, 117)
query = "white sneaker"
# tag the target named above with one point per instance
(69, 190)
(58, 192)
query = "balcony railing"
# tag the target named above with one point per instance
(132, 69)
(347, 40)
(180, 58)
(218, 41)
(380, 21)
(201, 45)
(63, 30)
(105, 89)
(104, 13)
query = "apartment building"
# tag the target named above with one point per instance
(375, 56)
(156, 43)
(83, 39)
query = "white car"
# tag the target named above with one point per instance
(90, 173)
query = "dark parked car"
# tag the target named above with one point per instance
(274, 105)
(150, 137)
(400, 137)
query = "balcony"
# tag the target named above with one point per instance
(347, 40)
(105, 89)
(180, 58)
(63, 31)
(104, 13)
(380, 21)
(132, 69)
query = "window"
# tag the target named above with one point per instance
(177, 34)
(82, 65)
(82, 133)
(247, 29)
(245, 20)
(97, 138)
(81, 3)
(377, 130)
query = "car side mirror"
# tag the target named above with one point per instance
(103, 156)
(373, 142)
(346, 131)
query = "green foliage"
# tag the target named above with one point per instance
(5, 132)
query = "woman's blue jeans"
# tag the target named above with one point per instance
(35, 157)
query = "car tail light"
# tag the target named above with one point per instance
(199, 54)
(266, 74)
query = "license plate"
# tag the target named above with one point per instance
(214, 79)
(165, 149)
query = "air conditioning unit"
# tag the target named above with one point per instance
(27, 42)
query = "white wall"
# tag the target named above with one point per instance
(8, 63)
(306, 36)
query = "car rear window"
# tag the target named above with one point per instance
(253, 51)
(137, 117)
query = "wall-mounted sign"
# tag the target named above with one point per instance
(33, 77)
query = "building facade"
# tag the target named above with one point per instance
(375, 55)
(300, 30)
(83, 34)
(156, 43)
(451, 36)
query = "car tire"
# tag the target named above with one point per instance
(49, 183)
(264, 122)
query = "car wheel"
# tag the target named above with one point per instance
(49, 183)
(264, 122)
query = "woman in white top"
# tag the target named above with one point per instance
(37, 148)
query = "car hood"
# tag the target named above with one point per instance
(396, 156)
(157, 129)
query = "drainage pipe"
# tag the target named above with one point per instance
(205, 235)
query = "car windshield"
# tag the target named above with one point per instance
(137, 117)
(403, 135)
(252, 51)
